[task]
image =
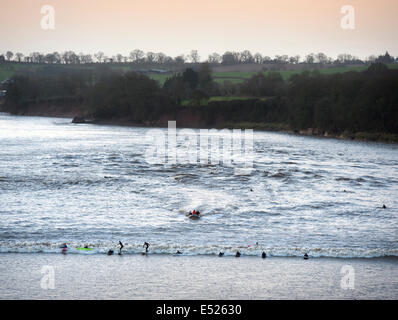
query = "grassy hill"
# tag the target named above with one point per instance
(8, 70)
(238, 77)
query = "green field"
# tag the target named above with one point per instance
(4, 74)
(226, 98)
(220, 98)
(8, 70)
(161, 78)
(238, 77)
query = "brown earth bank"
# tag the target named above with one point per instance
(191, 121)
(271, 127)
(191, 118)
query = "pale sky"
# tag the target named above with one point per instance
(177, 26)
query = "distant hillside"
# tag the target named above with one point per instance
(330, 102)
(234, 73)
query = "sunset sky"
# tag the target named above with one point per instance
(177, 26)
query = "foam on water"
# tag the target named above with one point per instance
(191, 250)
(87, 184)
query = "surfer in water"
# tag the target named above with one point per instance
(64, 248)
(263, 255)
(305, 256)
(121, 247)
(146, 245)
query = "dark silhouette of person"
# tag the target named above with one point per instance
(220, 254)
(384, 206)
(305, 256)
(110, 252)
(146, 245)
(178, 252)
(121, 247)
(263, 255)
(237, 254)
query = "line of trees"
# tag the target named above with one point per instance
(228, 58)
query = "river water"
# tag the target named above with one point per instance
(92, 184)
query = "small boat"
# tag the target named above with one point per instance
(192, 216)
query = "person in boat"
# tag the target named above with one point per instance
(121, 247)
(146, 245)
(195, 213)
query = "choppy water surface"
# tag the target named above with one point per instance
(88, 184)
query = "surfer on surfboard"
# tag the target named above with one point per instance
(121, 247)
